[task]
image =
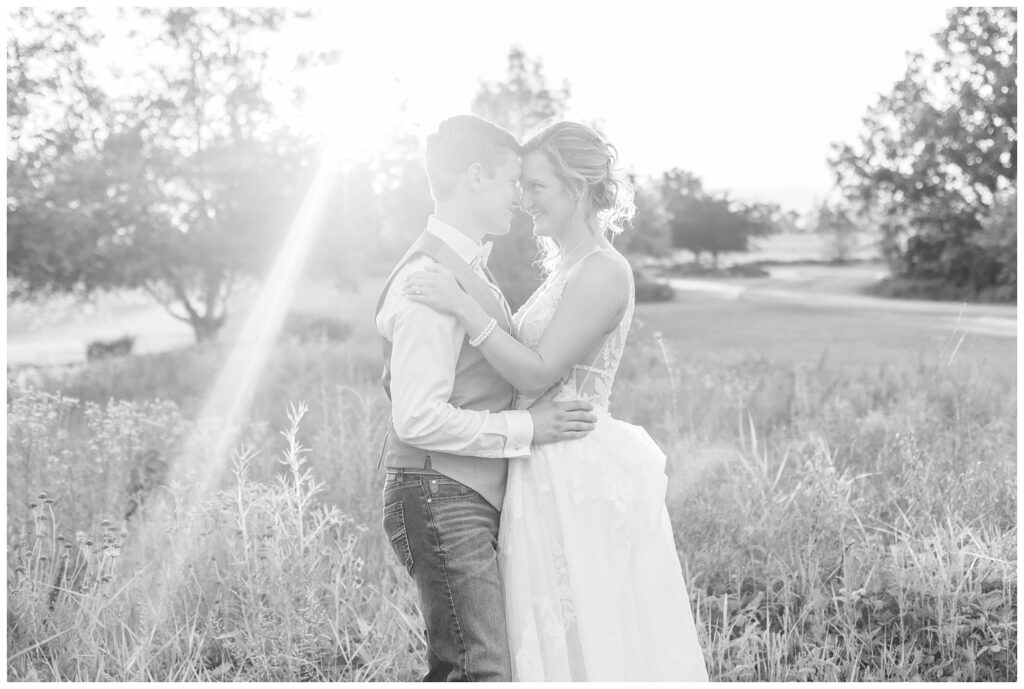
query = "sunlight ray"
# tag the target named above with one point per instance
(202, 463)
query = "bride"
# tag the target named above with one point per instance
(593, 586)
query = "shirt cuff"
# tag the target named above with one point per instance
(520, 433)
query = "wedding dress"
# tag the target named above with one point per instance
(593, 586)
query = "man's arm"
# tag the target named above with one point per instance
(589, 309)
(425, 349)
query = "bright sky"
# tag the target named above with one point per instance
(747, 98)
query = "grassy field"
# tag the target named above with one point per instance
(844, 517)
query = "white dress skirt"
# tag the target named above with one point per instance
(593, 586)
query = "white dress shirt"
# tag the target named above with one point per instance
(425, 349)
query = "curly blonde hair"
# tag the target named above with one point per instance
(585, 163)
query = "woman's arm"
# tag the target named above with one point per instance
(594, 297)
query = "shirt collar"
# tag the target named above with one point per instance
(464, 247)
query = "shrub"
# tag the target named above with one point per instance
(306, 327)
(939, 289)
(698, 270)
(101, 349)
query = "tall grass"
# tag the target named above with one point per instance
(832, 526)
(261, 581)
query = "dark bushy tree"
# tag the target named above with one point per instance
(701, 222)
(938, 153)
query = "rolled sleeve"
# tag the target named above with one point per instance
(425, 348)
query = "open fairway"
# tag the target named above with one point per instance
(708, 324)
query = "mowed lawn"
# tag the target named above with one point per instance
(702, 324)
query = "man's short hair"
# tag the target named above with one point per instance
(459, 142)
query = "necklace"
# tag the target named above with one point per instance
(556, 275)
(595, 241)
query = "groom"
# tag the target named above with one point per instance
(452, 432)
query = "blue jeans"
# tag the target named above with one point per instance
(446, 536)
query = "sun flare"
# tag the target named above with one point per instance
(349, 109)
(228, 404)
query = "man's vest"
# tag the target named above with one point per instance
(477, 386)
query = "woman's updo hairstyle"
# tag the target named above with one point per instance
(585, 163)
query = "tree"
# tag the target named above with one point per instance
(833, 222)
(701, 222)
(224, 178)
(648, 232)
(520, 103)
(53, 110)
(523, 100)
(350, 230)
(52, 99)
(404, 192)
(938, 151)
(188, 184)
(999, 238)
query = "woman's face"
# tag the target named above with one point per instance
(545, 197)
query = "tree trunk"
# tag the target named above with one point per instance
(206, 328)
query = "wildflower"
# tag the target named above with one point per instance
(105, 523)
(33, 505)
(43, 496)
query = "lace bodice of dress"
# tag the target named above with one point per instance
(592, 378)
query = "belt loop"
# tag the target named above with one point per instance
(400, 475)
(426, 465)
(384, 444)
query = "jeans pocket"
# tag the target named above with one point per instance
(446, 490)
(394, 527)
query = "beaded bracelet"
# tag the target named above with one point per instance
(478, 340)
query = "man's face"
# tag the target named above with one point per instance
(498, 199)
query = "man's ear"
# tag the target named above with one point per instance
(475, 176)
